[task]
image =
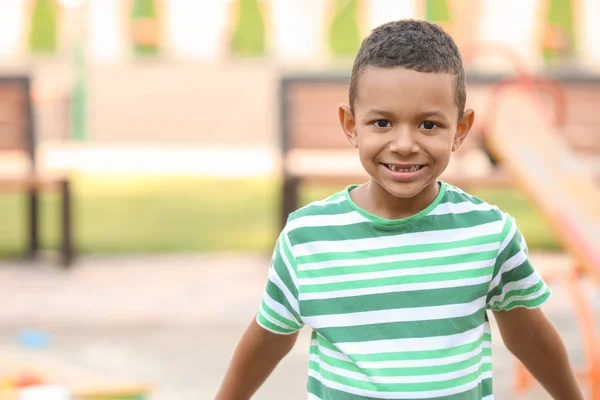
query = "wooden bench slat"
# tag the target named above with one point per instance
(25, 182)
(312, 113)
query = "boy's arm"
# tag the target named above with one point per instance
(273, 332)
(256, 356)
(533, 339)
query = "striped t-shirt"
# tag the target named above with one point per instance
(398, 307)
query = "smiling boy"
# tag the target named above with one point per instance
(395, 277)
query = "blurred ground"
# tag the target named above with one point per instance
(175, 320)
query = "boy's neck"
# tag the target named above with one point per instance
(374, 199)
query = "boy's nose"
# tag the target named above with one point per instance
(404, 142)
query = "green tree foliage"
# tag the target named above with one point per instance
(43, 32)
(145, 27)
(437, 11)
(344, 31)
(559, 35)
(249, 33)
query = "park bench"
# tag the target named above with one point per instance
(18, 172)
(313, 149)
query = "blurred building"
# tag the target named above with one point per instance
(155, 59)
(293, 30)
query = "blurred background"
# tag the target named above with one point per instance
(144, 145)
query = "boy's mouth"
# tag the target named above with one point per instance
(404, 167)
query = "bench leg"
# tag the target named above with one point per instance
(289, 198)
(34, 238)
(67, 242)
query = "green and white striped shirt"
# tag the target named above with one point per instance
(398, 307)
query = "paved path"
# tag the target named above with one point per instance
(176, 319)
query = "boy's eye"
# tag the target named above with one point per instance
(428, 125)
(382, 123)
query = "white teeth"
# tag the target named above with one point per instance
(395, 168)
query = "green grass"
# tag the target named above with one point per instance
(175, 214)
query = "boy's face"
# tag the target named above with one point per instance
(405, 126)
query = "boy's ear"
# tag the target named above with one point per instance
(462, 129)
(348, 124)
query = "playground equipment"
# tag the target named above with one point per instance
(31, 371)
(526, 135)
(522, 136)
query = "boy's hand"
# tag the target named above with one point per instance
(255, 357)
(532, 338)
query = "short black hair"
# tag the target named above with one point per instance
(413, 44)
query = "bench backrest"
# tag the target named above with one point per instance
(308, 113)
(309, 118)
(16, 116)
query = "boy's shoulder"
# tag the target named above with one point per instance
(460, 202)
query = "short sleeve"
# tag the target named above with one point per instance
(279, 311)
(515, 283)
